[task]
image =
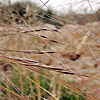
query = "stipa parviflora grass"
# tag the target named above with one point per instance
(48, 63)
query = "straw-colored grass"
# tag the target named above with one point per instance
(39, 61)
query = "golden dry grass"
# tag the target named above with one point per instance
(20, 45)
(40, 61)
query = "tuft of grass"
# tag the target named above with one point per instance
(39, 61)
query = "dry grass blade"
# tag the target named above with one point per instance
(29, 62)
(5, 89)
(28, 51)
(35, 83)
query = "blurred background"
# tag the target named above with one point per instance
(78, 11)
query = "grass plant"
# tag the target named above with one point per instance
(41, 62)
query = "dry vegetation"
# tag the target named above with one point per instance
(40, 61)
